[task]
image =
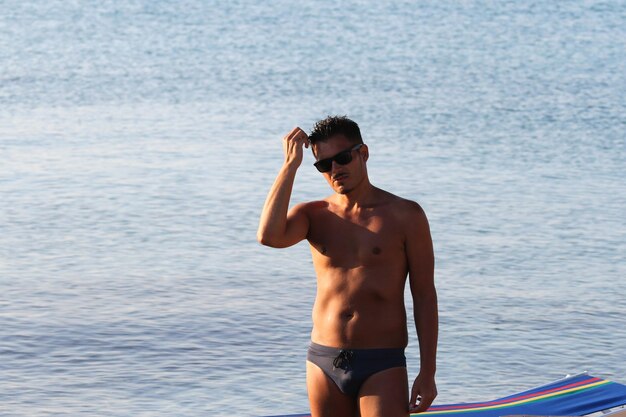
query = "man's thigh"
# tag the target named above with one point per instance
(385, 394)
(325, 398)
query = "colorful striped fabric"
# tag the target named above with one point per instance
(573, 396)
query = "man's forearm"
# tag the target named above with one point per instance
(427, 326)
(274, 216)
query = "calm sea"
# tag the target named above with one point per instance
(138, 140)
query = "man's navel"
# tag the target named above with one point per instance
(347, 315)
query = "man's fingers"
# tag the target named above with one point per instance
(292, 145)
(296, 134)
(425, 402)
(293, 132)
(297, 137)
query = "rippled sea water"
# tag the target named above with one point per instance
(138, 140)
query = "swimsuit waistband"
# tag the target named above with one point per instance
(321, 350)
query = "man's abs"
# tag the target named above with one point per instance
(356, 310)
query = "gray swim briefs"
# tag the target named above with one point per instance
(349, 368)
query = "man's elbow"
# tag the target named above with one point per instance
(263, 239)
(267, 240)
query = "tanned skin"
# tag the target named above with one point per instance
(364, 242)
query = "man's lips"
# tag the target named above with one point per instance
(340, 177)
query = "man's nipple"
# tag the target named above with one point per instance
(376, 250)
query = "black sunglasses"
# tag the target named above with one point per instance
(342, 158)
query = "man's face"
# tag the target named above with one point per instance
(342, 178)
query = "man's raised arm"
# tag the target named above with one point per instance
(277, 227)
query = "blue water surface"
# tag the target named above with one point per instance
(138, 140)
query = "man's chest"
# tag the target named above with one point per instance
(356, 242)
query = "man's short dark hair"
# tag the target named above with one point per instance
(335, 125)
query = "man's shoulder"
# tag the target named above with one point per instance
(311, 206)
(407, 212)
(410, 206)
(404, 205)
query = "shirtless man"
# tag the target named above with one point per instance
(364, 242)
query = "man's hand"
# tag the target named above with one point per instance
(292, 146)
(424, 389)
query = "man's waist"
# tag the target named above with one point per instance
(361, 335)
(361, 352)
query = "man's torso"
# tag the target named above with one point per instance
(361, 266)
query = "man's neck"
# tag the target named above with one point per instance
(362, 196)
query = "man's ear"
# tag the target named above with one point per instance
(366, 155)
